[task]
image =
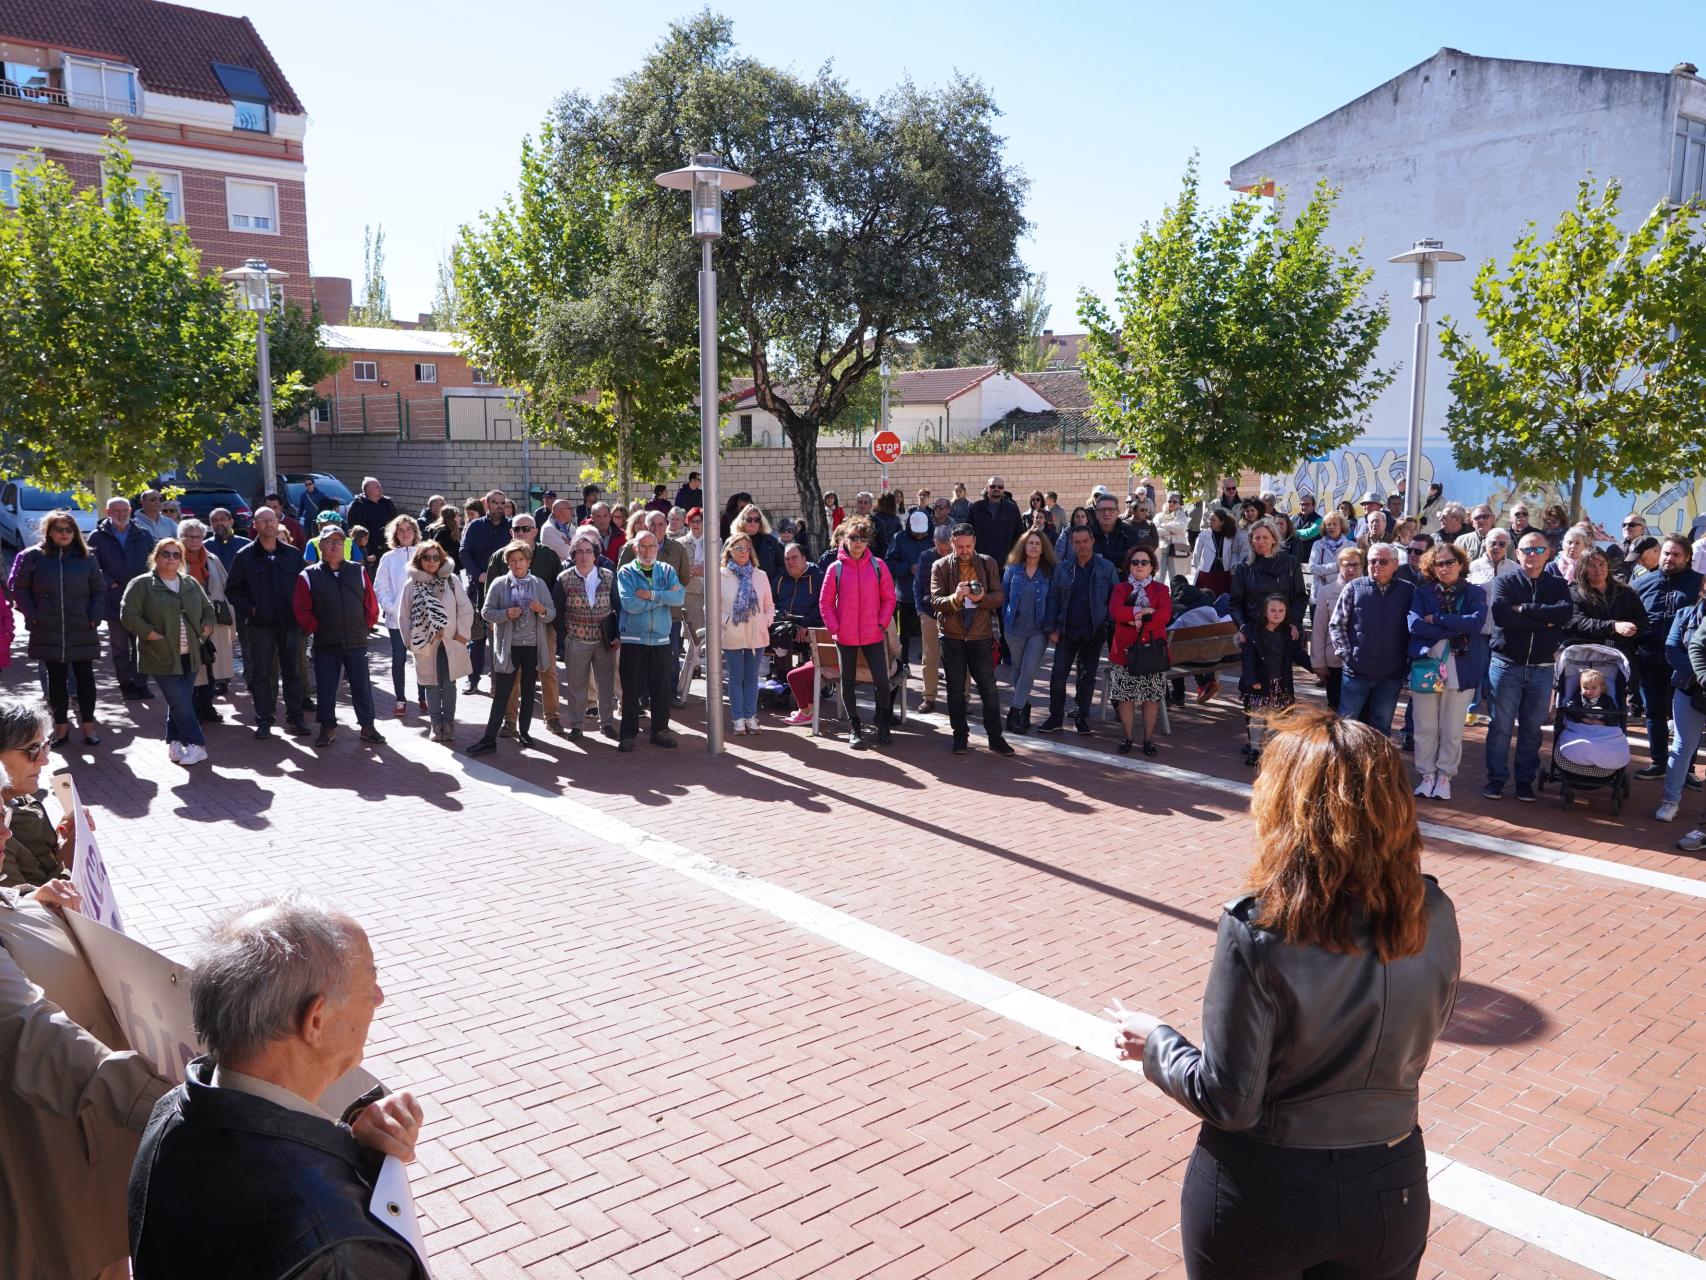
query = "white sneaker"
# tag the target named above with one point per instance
(193, 754)
(752, 724)
(1425, 788)
(1442, 788)
(175, 752)
(1666, 812)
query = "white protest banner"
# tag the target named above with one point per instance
(88, 871)
(150, 998)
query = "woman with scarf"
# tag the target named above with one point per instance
(1324, 555)
(519, 610)
(1449, 649)
(210, 572)
(1575, 544)
(435, 619)
(745, 627)
(1140, 608)
(1216, 553)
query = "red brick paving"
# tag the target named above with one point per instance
(629, 1074)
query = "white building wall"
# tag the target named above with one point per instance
(1467, 150)
(1002, 393)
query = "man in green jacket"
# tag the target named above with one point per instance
(545, 565)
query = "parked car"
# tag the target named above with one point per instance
(200, 500)
(22, 507)
(334, 493)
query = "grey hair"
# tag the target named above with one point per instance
(261, 969)
(187, 527)
(944, 536)
(20, 717)
(1454, 509)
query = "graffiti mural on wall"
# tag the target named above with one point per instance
(1345, 477)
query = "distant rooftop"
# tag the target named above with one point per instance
(355, 337)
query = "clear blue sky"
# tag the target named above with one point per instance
(417, 110)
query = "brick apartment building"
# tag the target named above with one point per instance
(396, 381)
(207, 111)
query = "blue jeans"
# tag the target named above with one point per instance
(1689, 725)
(741, 669)
(351, 663)
(1027, 657)
(1521, 697)
(399, 663)
(441, 697)
(181, 722)
(1372, 701)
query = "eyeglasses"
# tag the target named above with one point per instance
(1532, 551)
(63, 528)
(1416, 551)
(855, 537)
(1634, 524)
(36, 751)
(523, 528)
(168, 555)
(753, 520)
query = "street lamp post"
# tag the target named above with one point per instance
(1426, 254)
(707, 178)
(252, 284)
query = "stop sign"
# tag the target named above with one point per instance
(886, 448)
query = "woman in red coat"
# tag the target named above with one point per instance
(1141, 608)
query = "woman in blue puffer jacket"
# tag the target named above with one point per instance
(1030, 569)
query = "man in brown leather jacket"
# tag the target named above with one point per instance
(965, 590)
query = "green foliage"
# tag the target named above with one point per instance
(118, 358)
(1598, 363)
(1236, 342)
(552, 302)
(1033, 315)
(871, 221)
(374, 309)
(299, 362)
(445, 302)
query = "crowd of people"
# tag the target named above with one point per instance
(588, 611)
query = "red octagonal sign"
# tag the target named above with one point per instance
(886, 448)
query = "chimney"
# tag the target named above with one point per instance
(334, 294)
(1685, 69)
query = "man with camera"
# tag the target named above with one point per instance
(965, 589)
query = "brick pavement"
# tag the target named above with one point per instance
(628, 1074)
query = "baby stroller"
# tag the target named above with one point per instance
(1588, 756)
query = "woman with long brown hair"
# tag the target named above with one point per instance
(1333, 976)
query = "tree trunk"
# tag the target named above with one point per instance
(802, 439)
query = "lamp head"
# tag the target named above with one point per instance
(252, 283)
(707, 178)
(1427, 255)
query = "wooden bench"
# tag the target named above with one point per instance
(826, 661)
(1195, 651)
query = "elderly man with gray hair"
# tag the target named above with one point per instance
(240, 1172)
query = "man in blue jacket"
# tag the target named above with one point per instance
(262, 591)
(929, 629)
(482, 539)
(905, 550)
(121, 548)
(1076, 615)
(1370, 631)
(1530, 611)
(1665, 592)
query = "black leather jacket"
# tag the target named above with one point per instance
(1307, 1048)
(227, 1184)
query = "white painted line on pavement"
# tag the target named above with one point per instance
(1568, 1233)
(1585, 863)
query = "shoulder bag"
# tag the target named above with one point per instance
(1146, 657)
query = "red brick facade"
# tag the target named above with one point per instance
(397, 375)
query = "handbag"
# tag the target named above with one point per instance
(222, 615)
(610, 630)
(1427, 675)
(1147, 658)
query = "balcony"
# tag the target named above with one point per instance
(49, 96)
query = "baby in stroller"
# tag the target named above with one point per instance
(1590, 748)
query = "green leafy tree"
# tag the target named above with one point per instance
(1597, 366)
(118, 358)
(1034, 352)
(374, 309)
(445, 301)
(870, 221)
(299, 361)
(1235, 340)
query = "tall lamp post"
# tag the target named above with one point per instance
(1426, 254)
(707, 178)
(252, 284)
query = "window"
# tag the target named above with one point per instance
(426, 373)
(481, 377)
(1688, 162)
(322, 411)
(171, 190)
(8, 189)
(366, 370)
(26, 80)
(252, 206)
(251, 117)
(100, 86)
(250, 101)
(746, 428)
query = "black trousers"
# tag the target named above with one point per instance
(877, 659)
(975, 658)
(269, 653)
(1085, 652)
(910, 630)
(59, 689)
(524, 666)
(645, 668)
(1335, 683)
(1252, 1211)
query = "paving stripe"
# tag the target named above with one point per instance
(1582, 862)
(1565, 1232)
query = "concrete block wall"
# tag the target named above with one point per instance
(413, 470)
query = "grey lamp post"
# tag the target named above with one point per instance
(707, 178)
(1426, 254)
(252, 286)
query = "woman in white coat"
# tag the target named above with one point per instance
(748, 611)
(402, 535)
(1328, 665)
(436, 618)
(1324, 555)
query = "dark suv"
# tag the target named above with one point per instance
(200, 500)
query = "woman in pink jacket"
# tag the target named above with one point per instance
(857, 602)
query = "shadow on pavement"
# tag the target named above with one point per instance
(1486, 1015)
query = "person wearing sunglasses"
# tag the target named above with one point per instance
(35, 852)
(435, 619)
(1531, 609)
(169, 613)
(57, 585)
